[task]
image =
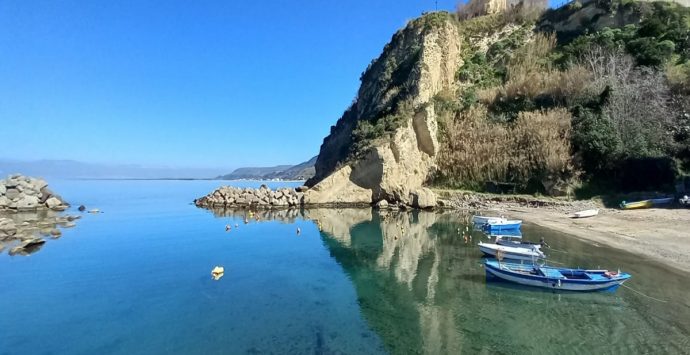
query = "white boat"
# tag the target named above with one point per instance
(586, 213)
(508, 242)
(512, 253)
(487, 219)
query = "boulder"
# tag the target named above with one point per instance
(383, 204)
(4, 202)
(53, 202)
(3, 189)
(28, 202)
(39, 184)
(422, 198)
(12, 193)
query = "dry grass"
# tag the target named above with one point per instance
(536, 145)
(530, 74)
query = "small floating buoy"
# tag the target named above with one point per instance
(82, 208)
(227, 228)
(217, 272)
(237, 225)
(299, 231)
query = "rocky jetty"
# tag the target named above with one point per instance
(266, 198)
(23, 193)
(261, 197)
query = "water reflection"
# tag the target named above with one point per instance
(24, 233)
(421, 287)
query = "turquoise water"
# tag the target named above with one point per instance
(136, 280)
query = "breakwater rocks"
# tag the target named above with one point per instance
(261, 197)
(23, 193)
(264, 197)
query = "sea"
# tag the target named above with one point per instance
(136, 279)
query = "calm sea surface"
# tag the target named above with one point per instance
(136, 280)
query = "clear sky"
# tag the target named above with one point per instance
(213, 83)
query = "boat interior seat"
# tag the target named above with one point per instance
(551, 273)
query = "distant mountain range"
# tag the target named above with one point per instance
(70, 169)
(300, 171)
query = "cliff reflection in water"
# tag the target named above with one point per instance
(399, 266)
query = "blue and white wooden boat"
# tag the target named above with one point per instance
(482, 220)
(554, 277)
(500, 226)
(511, 253)
(508, 233)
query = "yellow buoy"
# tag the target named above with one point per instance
(217, 272)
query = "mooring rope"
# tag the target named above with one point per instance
(640, 293)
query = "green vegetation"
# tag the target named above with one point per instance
(601, 108)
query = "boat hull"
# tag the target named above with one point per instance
(494, 228)
(510, 253)
(482, 220)
(637, 205)
(493, 272)
(585, 214)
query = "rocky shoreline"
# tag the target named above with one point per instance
(266, 198)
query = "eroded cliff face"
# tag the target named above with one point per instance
(420, 61)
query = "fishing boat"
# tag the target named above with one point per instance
(586, 213)
(517, 243)
(498, 227)
(508, 233)
(486, 219)
(662, 201)
(512, 253)
(636, 204)
(554, 277)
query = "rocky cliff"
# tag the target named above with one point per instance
(384, 146)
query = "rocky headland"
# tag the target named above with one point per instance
(30, 213)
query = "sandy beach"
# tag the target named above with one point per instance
(660, 234)
(657, 233)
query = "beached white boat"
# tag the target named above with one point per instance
(487, 220)
(511, 253)
(586, 213)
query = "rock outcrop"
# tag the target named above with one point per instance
(420, 61)
(229, 196)
(23, 193)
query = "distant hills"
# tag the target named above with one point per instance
(300, 171)
(70, 169)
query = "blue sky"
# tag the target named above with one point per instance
(185, 83)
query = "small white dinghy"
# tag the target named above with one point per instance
(511, 253)
(586, 213)
(482, 220)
